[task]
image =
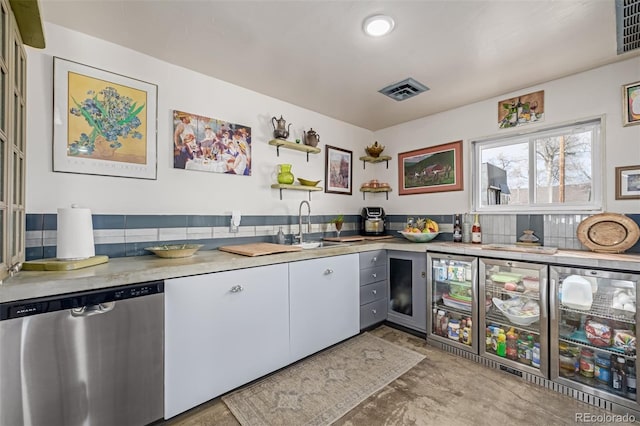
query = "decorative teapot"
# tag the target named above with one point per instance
(311, 138)
(279, 129)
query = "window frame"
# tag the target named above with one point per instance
(597, 161)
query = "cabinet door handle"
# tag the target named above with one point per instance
(236, 289)
(374, 312)
(374, 275)
(374, 291)
(374, 260)
(328, 271)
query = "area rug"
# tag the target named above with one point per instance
(322, 388)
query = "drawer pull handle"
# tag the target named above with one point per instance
(236, 289)
(328, 271)
(374, 312)
(374, 260)
(374, 275)
(374, 291)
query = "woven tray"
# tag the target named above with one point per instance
(608, 233)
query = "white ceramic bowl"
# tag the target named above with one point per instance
(419, 237)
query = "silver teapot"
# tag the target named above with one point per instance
(279, 129)
(311, 138)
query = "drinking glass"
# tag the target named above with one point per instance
(338, 228)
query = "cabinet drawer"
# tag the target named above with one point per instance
(371, 275)
(372, 292)
(369, 259)
(372, 313)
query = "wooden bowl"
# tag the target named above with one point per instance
(174, 251)
(306, 182)
(374, 150)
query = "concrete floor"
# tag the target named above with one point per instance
(443, 389)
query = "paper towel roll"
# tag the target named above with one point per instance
(75, 233)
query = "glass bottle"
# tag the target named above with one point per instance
(618, 375)
(476, 233)
(631, 378)
(457, 230)
(280, 237)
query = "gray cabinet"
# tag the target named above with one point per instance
(407, 302)
(373, 288)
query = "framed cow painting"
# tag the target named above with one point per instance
(433, 169)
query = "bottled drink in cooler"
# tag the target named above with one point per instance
(618, 375)
(631, 378)
(512, 344)
(602, 369)
(535, 356)
(501, 349)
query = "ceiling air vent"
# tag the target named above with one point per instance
(628, 25)
(404, 89)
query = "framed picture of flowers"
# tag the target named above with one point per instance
(103, 123)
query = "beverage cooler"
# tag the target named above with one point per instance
(452, 292)
(593, 332)
(514, 326)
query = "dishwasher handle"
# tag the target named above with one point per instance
(89, 310)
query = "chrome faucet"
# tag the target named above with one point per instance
(299, 236)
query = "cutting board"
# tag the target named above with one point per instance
(258, 249)
(378, 237)
(345, 239)
(62, 265)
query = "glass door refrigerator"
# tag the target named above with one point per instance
(452, 291)
(593, 332)
(514, 327)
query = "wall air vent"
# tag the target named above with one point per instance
(404, 89)
(628, 25)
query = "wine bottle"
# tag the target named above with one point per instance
(476, 233)
(457, 230)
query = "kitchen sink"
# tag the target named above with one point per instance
(321, 244)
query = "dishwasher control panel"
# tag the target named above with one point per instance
(25, 308)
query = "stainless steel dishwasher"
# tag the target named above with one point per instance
(92, 358)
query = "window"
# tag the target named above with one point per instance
(553, 169)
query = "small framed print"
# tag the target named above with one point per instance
(631, 104)
(338, 170)
(628, 183)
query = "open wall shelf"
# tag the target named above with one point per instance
(295, 146)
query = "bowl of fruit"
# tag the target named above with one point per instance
(422, 231)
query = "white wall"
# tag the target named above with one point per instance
(179, 191)
(588, 94)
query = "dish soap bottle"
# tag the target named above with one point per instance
(476, 233)
(280, 237)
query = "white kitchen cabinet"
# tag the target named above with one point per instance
(324, 303)
(223, 330)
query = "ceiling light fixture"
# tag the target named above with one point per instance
(378, 25)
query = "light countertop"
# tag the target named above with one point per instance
(129, 270)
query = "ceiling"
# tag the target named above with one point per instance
(314, 54)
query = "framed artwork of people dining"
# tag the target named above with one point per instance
(210, 145)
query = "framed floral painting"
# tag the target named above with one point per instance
(103, 123)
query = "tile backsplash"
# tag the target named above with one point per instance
(128, 235)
